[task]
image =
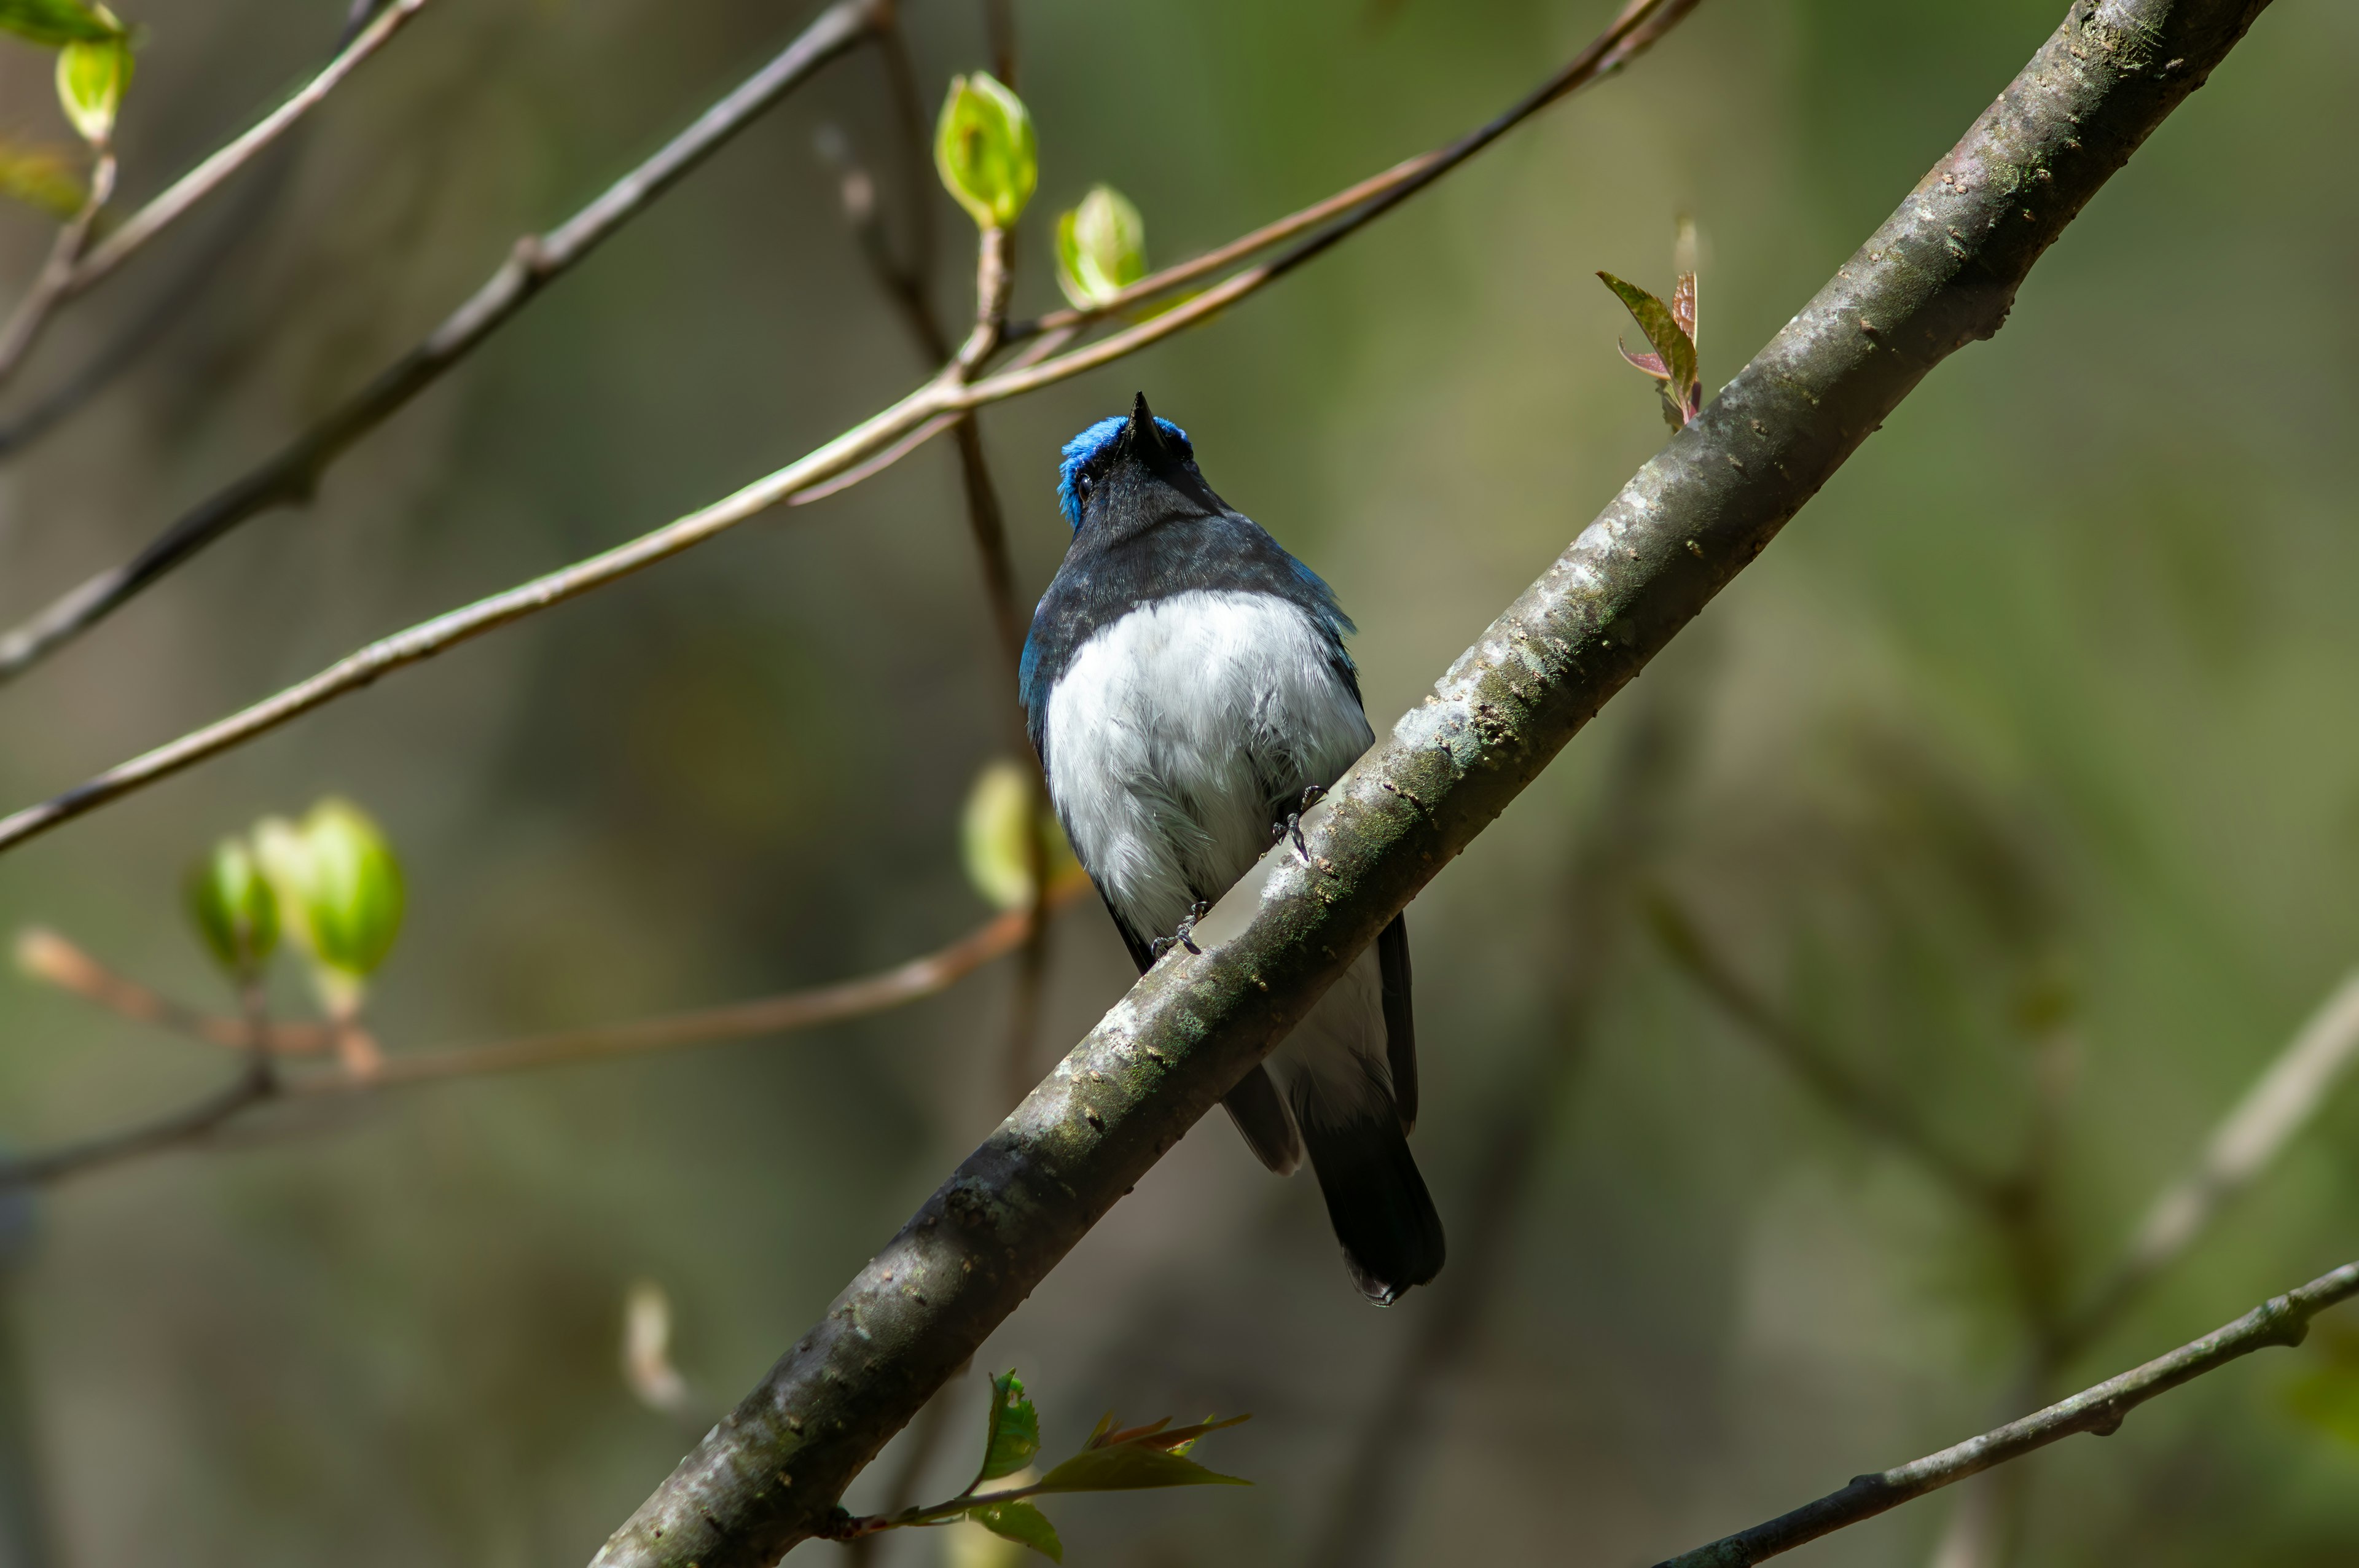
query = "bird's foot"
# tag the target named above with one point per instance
(1292, 827)
(1182, 938)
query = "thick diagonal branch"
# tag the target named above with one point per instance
(1941, 272)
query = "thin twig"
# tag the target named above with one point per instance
(44, 956)
(2247, 1141)
(2281, 1320)
(202, 181)
(863, 440)
(176, 1128)
(290, 475)
(265, 1080)
(926, 1434)
(903, 283)
(1641, 22)
(50, 286)
(74, 268)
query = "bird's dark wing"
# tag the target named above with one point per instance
(1261, 1116)
(1141, 952)
(1254, 1104)
(1400, 1021)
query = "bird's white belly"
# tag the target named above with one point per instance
(1178, 733)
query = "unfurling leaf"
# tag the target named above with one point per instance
(992, 838)
(1013, 1437)
(91, 76)
(986, 151)
(1022, 1523)
(40, 177)
(234, 907)
(1673, 362)
(1138, 1457)
(1101, 247)
(1130, 1468)
(339, 888)
(55, 23)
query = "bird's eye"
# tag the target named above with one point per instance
(1084, 485)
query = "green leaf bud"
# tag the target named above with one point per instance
(234, 907)
(1101, 247)
(55, 23)
(984, 148)
(339, 888)
(993, 840)
(91, 76)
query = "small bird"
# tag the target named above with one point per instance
(1187, 689)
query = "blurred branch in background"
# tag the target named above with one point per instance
(2282, 1320)
(1870, 1106)
(929, 408)
(27, 1539)
(290, 476)
(2282, 1102)
(1984, 1531)
(1611, 856)
(1987, 1531)
(51, 958)
(73, 268)
(1940, 273)
(904, 283)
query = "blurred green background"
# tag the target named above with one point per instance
(2025, 757)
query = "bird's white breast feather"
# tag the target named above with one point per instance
(1175, 737)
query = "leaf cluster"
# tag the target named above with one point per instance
(1113, 1459)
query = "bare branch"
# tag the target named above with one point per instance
(1641, 22)
(2281, 1320)
(291, 475)
(24, 325)
(63, 964)
(2273, 1111)
(942, 396)
(1941, 272)
(202, 181)
(74, 269)
(44, 956)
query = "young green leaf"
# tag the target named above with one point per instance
(91, 76)
(1130, 1467)
(1013, 1437)
(992, 836)
(55, 23)
(1022, 1523)
(986, 150)
(40, 177)
(1101, 247)
(234, 910)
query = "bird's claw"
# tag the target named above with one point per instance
(1292, 827)
(1182, 938)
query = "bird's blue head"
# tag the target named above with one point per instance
(1140, 440)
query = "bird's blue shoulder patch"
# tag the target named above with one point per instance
(1323, 603)
(1087, 445)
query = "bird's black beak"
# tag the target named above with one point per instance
(1145, 437)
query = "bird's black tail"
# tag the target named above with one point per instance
(1377, 1203)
